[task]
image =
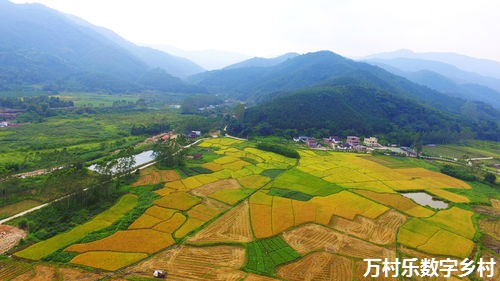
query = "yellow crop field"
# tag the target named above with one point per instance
(347, 205)
(178, 200)
(191, 183)
(145, 221)
(178, 185)
(212, 166)
(261, 218)
(190, 225)
(171, 225)
(207, 189)
(450, 196)
(106, 218)
(241, 172)
(455, 220)
(282, 214)
(131, 241)
(398, 202)
(107, 260)
(416, 232)
(203, 212)
(222, 174)
(205, 179)
(376, 186)
(448, 244)
(303, 212)
(225, 160)
(260, 197)
(165, 191)
(236, 165)
(160, 213)
(231, 196)
(255, 181)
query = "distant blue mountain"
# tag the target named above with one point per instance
(262, 62)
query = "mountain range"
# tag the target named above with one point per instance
(44, 49)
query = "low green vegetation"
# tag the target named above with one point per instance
(480, 193)
(295, 195)
(264, 255)
(297, 180)
(459, 172)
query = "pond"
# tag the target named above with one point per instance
(140, 159)
(425, 199)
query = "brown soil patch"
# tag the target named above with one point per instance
(152, 178)
(491, 243)
(73, 274)
(195, 263)
(487, 210)
(313, 237)
(233, 226)
(495, 203)
(491, 226)
(42, 273)
(383, 230)
(319, 266)
(10, 237)
(210, 188)
(169, 175)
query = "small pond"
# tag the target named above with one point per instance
(140, 159)
(425, 199)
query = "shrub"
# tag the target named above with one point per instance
(279, 149)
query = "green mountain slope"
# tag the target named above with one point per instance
(42, 49)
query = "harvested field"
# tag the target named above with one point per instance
(10, 237)
(39, 273)
(11, 269)
(486, 210)
(160, 213)
(360, 269)
(491, 243)
(177, 185)
(152, 177)
(106, 218)
(195, 263)
(383, 230)
(399, 202)
(169, 175)
(313, 237)
(107, 260)
(490, 226)
(145, 221)
(204, 212)
(318, 266)
(178, 200)
(132, 241)
(171, 225)
(255, 277)
(207, 189)
(233, 226)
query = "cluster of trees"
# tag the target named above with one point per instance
(150, 129)
(279, 149)
(459, 172)
(169, 153)
(35, 108)
(191, 104)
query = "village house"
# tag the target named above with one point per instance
(4, 124)
(353, 140)
(301, 138)
(194, 134)
(371, 142)
(312, 143)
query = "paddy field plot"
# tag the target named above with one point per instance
(107, 260)
(398, 202)
(263, 256)
(319, 266)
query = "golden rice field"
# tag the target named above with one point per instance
(332, 208)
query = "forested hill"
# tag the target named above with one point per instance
(316, 69)
(42, 49)
(360, 110)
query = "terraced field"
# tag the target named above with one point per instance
(263, 216)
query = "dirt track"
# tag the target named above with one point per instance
(9, 237)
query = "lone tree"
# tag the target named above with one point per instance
(126, 161)
(169, 153)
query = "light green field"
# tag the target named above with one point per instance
(106, 218)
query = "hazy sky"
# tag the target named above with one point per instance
(271, 27)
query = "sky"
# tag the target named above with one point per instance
(353, 28)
